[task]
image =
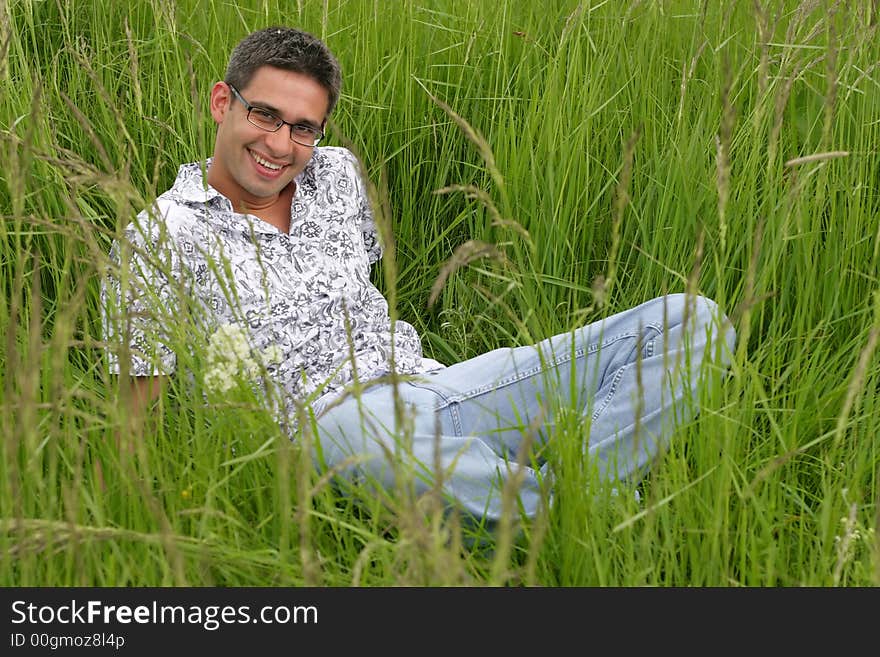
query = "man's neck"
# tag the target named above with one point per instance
(273, 211)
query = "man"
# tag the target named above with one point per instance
(278, 246)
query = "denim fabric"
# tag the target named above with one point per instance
(629, 376)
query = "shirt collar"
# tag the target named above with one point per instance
(191, 185)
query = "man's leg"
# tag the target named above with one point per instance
(643, 395)
(363, 436)
(629, 374)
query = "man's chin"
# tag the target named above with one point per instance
(265, 191)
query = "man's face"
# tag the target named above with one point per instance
(251, 166)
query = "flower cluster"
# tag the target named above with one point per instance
(852, 535)
(230, 358)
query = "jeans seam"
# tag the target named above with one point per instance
(454, 415)
(520, 375)
(613, 389)
(648, 352)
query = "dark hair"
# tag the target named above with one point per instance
(289, 49)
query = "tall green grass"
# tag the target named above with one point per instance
(596, 154)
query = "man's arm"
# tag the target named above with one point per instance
(133, 312)
(144, 391)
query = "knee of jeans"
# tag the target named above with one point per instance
(680, 305)
(710, 320)
(701, 313)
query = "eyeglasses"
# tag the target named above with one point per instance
(304, 135)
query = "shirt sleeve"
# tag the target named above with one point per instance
(365, 218)
(139, 295)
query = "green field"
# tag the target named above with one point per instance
(540, 165)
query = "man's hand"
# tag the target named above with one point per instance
(143, 391)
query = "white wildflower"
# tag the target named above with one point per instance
(230, 358)
(219, 378)
(850, 542)
(229, 342)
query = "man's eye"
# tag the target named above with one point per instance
(263, 115)
(304, 130)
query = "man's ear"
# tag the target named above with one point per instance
(221, 97)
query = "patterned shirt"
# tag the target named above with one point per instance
(193, 261)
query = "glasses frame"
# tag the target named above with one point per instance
(319, 134)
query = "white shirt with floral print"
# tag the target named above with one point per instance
(305, 296)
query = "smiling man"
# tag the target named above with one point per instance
(274, 245)
(276, 240)
(257, 153)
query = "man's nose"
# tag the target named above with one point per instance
(279, 142)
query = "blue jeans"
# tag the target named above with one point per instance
(630, 377)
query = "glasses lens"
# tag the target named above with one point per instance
(303, 134)
(263, 119)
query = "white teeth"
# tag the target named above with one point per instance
(268, 165)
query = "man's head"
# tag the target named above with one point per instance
(289, 49)
(280, 87)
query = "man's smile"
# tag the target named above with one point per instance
(272, 166)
